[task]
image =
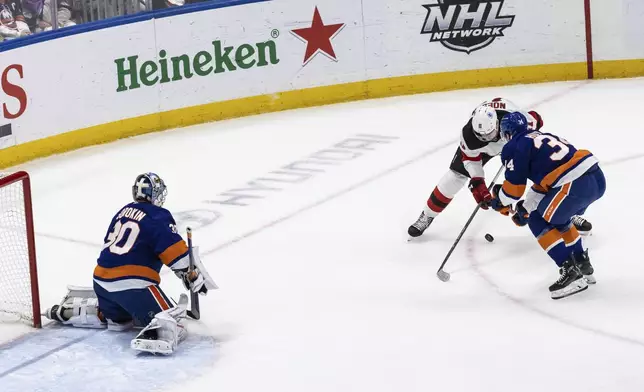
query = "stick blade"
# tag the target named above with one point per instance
(443, 275)
(193, 315)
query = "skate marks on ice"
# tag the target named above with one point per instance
(330, 197)
(471, 245)
(66, 359)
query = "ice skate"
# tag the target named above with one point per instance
(583, 263)
(582, 225)
(418, 228)
(571, 281)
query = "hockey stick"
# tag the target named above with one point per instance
(194, 297)
(443, 275)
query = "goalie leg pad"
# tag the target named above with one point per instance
(165, 331)
(78, 308)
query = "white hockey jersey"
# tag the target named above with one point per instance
(472, 148)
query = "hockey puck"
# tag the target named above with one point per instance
(489, 237)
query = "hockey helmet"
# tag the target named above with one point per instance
(150, 188)
(513, 124)
(485, 123)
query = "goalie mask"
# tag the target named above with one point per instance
(485, 123)
(150, 188)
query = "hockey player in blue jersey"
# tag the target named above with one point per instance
(565, 182)
(480, 141)
(141, 238)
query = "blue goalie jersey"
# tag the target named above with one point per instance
(140, 240)
(547, 160)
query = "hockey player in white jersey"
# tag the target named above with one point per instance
(479, 141)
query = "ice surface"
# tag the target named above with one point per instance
(319, 290)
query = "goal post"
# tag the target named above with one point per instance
(19, 295)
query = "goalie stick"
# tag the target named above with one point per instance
(442, 274)
(194, 297)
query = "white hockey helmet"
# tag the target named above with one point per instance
(485, 123)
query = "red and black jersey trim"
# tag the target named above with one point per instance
(466, 157)
(457, 162)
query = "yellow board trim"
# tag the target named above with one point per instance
(317, 96)
(618, 68)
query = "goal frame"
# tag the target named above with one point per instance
(22, 176)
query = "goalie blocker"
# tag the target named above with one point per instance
(142, 237)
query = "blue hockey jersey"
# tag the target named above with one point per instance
(140, 240)
(547, 160)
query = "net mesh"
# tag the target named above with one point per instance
(15, 283)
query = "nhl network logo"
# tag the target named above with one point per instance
(465, 25)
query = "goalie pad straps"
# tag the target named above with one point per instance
(81, 312)
(79, 308)
(165, 332)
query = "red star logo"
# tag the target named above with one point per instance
(318, 37)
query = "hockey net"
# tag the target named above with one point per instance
(19, 299)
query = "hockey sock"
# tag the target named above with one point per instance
(573, 240)
(437, 202)
(553, 243)
(550, 238)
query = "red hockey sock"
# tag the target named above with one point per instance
(437, 201)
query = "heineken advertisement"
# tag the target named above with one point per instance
(133, 72)
(173, 67)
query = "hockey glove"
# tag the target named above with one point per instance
(479, 191)
(193, 281)
(496, 203)
(537, 117)
(521, 216)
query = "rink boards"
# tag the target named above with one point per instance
(220, 60)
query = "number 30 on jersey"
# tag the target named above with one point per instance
(130, 229)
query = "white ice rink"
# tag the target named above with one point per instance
(319, 290)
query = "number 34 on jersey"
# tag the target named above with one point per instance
(546, 159)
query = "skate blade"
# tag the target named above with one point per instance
(585, 233)
(575, 287)
(151, 346)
